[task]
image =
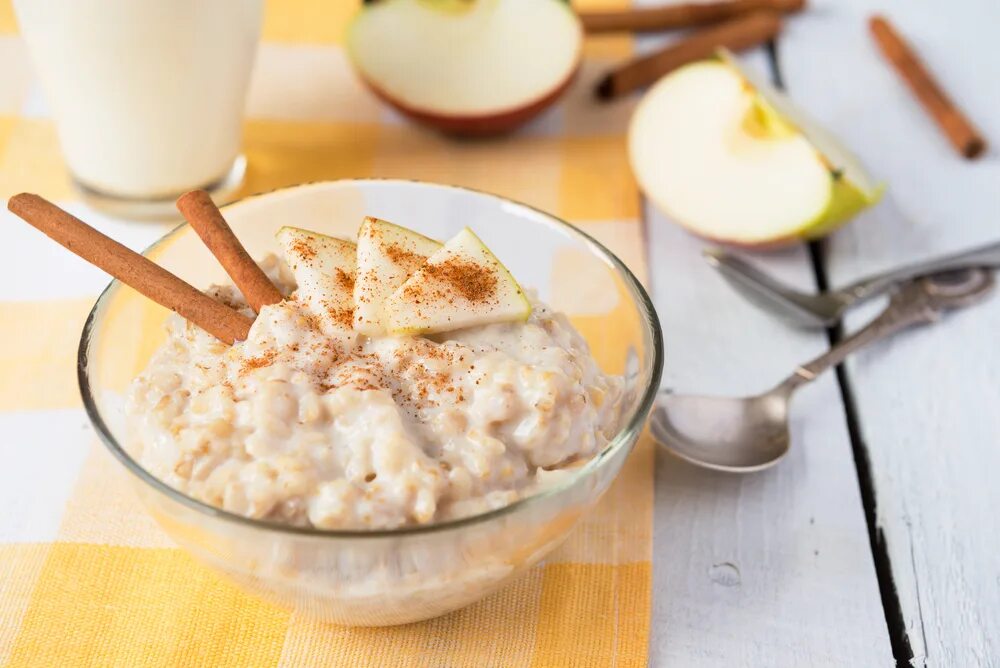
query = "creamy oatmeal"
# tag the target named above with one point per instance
(343, 430)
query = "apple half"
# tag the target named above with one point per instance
(469, 67)
(730, 158)
(461, 285)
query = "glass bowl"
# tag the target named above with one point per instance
(370, 578)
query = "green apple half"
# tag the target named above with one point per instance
(730, 158)
(471, 67)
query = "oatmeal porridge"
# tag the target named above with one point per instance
(431, 414)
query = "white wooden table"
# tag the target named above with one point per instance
(876, 541)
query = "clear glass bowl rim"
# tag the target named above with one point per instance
(633, 424)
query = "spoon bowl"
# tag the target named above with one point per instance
(721, 433)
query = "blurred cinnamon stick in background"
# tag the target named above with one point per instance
(959, 130)
(651, 19)
(736, 35)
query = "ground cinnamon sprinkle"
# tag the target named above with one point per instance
(304, 249)
(345, 280)
(472, 281)
(342, 316)
(404, 258)
(370, 278)
(251, 363)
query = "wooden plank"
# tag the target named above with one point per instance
(769, 569)
(926, 401)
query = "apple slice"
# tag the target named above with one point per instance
(461, 285)
(324, 269)
(467, 66)
(730, 158)
(387, 255)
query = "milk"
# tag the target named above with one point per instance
(147, 95)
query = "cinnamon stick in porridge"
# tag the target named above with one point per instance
(959, 129)
(206, 219)
(669, 17)
(131, 268)
(739, 34)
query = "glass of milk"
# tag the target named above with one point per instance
(147, 95)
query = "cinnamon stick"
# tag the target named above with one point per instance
(131, 268)
(206, 219)
(959, 129)
(651, 19)
(736, 35)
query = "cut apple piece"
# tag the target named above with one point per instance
(467, 67)
(387, 255)
(461, 285)
(731, 159)
(324, 269)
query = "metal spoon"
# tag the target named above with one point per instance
(824, 310)
(749, 434)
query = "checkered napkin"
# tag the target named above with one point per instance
(87, 578)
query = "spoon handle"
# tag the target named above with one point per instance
(984, 256)
(918, 302)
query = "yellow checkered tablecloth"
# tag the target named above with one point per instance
(87, 578)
